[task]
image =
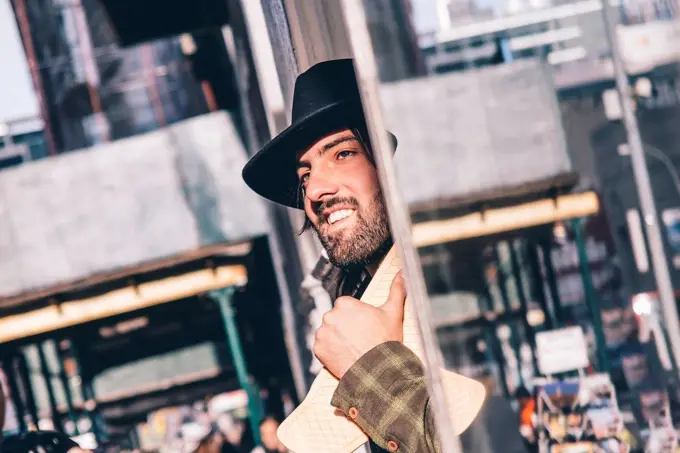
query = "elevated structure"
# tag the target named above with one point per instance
(99, 241)
(125, 203)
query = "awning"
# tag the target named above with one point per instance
(106, 295)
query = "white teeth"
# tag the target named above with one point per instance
(339, 215)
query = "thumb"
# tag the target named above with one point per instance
(394, 306)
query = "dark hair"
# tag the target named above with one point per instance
(269, 417)
(522, 392)
(359, 133)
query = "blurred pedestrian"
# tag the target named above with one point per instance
(233, 431)
(527, 411)
(212, 443)
(270, 441)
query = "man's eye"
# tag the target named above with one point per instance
(304, 178)
(345, 154)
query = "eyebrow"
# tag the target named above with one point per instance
(329, 146)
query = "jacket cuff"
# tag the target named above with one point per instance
(364, 393)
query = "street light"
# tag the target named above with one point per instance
(642, 304)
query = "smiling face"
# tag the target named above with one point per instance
(343, 201)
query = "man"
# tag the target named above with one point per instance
(322, 164)
(233, 430)
(270, 440)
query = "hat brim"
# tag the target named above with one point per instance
(272, 171)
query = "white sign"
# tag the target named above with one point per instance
(648, 45)
(226, 402)
(561, 350)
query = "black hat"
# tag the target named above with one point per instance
(326, 99)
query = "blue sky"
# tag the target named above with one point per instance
(17, 98)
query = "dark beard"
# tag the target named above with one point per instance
(367, 243)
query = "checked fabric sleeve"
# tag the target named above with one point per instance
(385, 393)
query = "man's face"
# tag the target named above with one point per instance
(268, 434)
(343, 201)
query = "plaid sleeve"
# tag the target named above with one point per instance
(385, 393)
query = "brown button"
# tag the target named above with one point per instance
(353, 412)
(392, 446)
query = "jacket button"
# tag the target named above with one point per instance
(392, 446)
(353, 412)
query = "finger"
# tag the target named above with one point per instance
(344, 302)
(394, 306)
(318, 342)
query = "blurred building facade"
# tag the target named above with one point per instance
(477, 33)
(394, 39)
(21, 140)
(569, 38)
(91, 90)
(167, 104)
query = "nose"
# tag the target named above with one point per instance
(320, 187)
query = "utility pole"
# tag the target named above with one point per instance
(224, 299)
(644, 188)
(591, 296)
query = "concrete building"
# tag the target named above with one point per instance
(21, 140)
(154, 209)
(560, 32)
(92, 90)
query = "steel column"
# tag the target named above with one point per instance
(519, 282)
(15, 392)
(591, 295)
(47, 375)
(25, 379)
(552, 282)
(507, 308)
(537, 284)
(224, 299)
(660, 268)
(67, 387)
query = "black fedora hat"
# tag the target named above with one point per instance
(326, 99)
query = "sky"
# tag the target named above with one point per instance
(17, 97)
(424, 15)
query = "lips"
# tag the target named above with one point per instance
(336, 210)
(339, 215)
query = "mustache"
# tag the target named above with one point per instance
(318, 210)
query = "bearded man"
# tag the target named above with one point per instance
(323, 165)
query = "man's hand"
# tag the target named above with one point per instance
(352, 328)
